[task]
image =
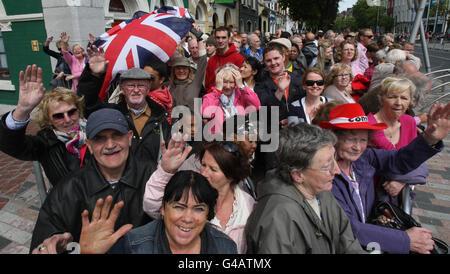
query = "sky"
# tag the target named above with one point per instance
(345, 4)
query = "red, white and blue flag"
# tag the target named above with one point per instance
(134, 42)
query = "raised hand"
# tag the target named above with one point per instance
(284, 81)
(97, 60)
(31, 92)
(237, 77)
(219, 80)
(48, 41)
(98, 236)
(438, 124)
(64, 37)
(175, 154)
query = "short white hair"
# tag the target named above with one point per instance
(395, 55)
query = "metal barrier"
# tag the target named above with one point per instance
(42, 189)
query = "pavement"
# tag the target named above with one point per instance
(445, 45)
(20, 201)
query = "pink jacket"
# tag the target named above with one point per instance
(75, 67)
(245, 101)
(242, 207)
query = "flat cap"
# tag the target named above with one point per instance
(136, 73)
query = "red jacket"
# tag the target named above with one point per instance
(217, 60)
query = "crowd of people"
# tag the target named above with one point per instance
(130, 175)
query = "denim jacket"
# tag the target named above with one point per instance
(147, 239)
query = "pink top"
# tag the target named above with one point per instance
(245, 101)
(408, 132)
(75, 67)
(235, 228)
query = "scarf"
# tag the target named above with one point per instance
(228, 106)
(74, 139)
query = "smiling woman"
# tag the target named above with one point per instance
(59, 144)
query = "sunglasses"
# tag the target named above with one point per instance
(60, 116)
(311, 83)
(369, 36)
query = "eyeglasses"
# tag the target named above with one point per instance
(311, 83)
(329, 170)
(60, 116)
(139, 86)
(369, 36)
(343, 75)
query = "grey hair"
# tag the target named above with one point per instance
(380, 54)
(422, 83)
(298, 145)
(395, 55)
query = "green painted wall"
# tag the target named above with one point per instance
(186, 4)
(19, 54)
(22, 7)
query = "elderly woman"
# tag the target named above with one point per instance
(325, 58)
(188, 204)
(224, 166)
(304, 110)
(229, 97)
(185, 84)
(353, 187)
(60, 144)
(297, 213)
(338, 84)
(347, 53)
(396, 96)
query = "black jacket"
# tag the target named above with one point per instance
(61, 211)
(310, 51)
(145, 146)
(45, 147)
(266, 92)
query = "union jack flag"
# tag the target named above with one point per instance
(134, 42)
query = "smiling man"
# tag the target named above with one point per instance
(114, 171)
(143, 109)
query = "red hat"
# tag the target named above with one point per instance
(349, 116)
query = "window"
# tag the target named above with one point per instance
(4, 71)
(116, 6)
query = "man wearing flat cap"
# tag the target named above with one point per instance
(146, 118)
(113, 171)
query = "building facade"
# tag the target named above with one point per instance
(25, 25)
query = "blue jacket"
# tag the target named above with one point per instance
(147, 239)
(377, 161)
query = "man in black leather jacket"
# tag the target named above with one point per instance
(113, 171)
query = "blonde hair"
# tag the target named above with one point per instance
(227, 74)
(77, 45)
(396, 85)
(323, 46)
(59, 94)
(335, 71)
